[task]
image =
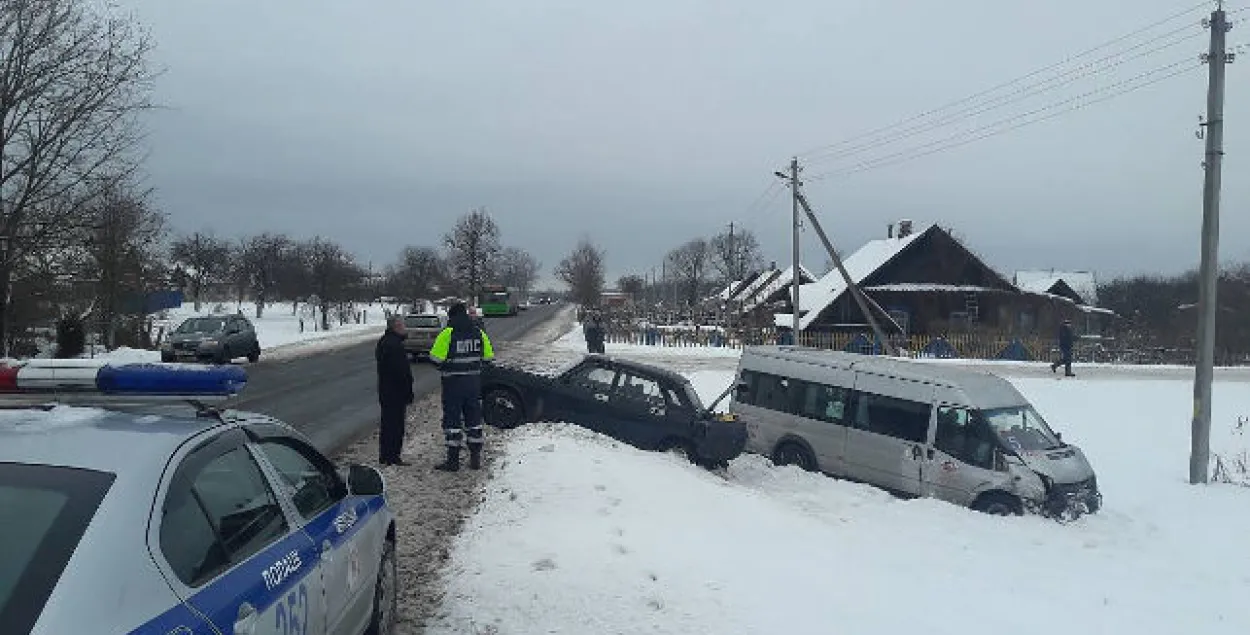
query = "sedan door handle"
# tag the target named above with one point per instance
(245, 624)
(603, 398)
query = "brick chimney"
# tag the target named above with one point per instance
(904, 228)
(889, 230)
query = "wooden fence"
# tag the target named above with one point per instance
(987, 346)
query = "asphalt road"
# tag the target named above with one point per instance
(332, 396)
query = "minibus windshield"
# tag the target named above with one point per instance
(1022, 429)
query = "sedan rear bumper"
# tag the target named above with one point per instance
(724, 441)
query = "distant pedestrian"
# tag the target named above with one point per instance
(394, 390)
(594, 332)
(1065, 350)
(459, 351)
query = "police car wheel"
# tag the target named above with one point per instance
(503, 409)
(385, 593)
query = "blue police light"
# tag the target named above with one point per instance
(170, 379)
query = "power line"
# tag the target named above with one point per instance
(1010, 83)
(943, 145)
(1001, 101)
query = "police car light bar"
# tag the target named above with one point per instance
(90, 379)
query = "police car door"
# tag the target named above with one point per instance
(333, 520)
(228, 549)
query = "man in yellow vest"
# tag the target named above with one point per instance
(459, 352)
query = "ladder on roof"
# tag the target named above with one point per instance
(972, 306)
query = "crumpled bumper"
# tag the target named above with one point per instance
(723, 441)
(1068, 501)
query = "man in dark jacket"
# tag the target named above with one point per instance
(1065, 350)
(394, 390)
(459, 351)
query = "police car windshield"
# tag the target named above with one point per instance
(44, 511)
(201, 325)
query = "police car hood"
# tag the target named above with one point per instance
(1066, 464)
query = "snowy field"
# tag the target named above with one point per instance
(278, 331)
(579, 534)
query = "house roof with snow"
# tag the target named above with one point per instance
(1081, 283)
(770, 284)
(875, 254)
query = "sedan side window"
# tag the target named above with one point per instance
(217, 515)
(596, 378)
(314, 484)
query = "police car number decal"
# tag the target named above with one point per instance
(278, 572)
(291, 614)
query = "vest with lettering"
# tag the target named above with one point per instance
(464, 354)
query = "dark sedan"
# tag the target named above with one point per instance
(644, 406)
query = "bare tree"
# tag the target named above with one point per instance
(582, 271)
(259, 263)
(124, 254)
(73, 79)
(517, 268)
(334, 275)
(204, 260)
(631, 284)
(688, 265)
(473, 245)
(735, 255)
(419, 271)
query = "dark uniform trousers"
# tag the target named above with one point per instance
(391, 435)
(462, 410)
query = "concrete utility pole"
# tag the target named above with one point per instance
(794, 291)
(1200, 441)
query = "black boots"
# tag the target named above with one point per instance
(452, 464)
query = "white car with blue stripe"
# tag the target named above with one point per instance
(130, 505)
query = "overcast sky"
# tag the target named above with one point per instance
(645, 123)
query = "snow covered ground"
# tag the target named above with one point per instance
(278, 330)
(580, 534)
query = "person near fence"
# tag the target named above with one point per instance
(459, 351)
(394, 390)
(1065, 350)
(593, 330)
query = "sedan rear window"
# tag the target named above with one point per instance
(422, 322)
(44, 511)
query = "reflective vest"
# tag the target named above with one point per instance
(461, 352)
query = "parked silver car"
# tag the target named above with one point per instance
(913, 428)
(157, 519)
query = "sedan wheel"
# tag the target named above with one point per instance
(502, 408)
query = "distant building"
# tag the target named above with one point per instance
(929, 283)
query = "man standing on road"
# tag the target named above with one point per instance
(1065, 350)
(459, 351)
(394, 390)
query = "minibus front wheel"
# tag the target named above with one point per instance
(792, 453)
(998, 504)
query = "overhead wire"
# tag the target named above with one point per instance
(1002, 101)
(988, 131)
(1008, 84)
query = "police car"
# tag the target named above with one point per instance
(130, 504)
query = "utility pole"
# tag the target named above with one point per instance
(1200, 441)
(733, 256)
(794, 284)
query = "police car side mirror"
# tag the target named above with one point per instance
(363, 480)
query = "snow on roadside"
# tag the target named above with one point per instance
(642, 542)
(278, 331)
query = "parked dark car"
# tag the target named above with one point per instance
(216, 339)
(645, 406)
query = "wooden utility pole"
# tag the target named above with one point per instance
(1208, 276)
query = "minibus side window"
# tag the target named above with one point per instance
(772, 392)
(898, 418)
(964, 436)
(821, 402)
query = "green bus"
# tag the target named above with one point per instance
(496, 299)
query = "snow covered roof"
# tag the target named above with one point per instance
(775, 284)
(875, 254)
(926, 287)
(1043, 280)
